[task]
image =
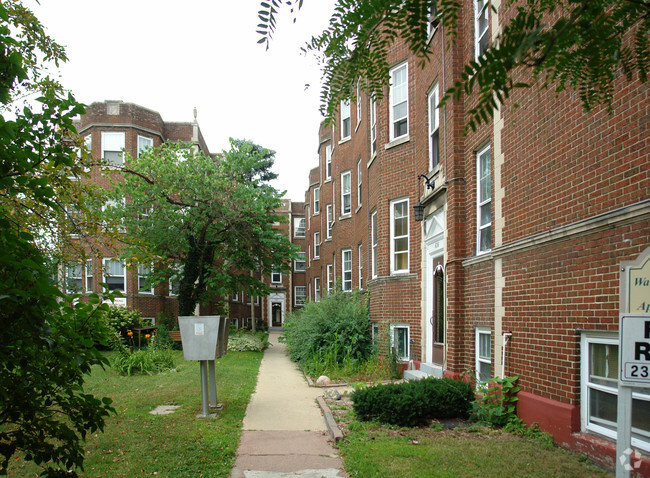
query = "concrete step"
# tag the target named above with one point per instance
(431, 369)
(414, 375)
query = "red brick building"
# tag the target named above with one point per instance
(515, 267)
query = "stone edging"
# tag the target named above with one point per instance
(332, 427)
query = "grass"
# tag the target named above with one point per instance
(136, 443)
(372, 450)
(374, 370)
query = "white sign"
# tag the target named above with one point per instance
(634, 350)
(199, 329)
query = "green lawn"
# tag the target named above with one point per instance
(136, 443)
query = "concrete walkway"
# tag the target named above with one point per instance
(284, 433)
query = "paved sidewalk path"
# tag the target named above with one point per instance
(284, 433)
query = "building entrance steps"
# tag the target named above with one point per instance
(284, 432)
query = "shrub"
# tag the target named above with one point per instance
(157, 357)
(413, 403)
(336, 328)
(121, 319)
(243, 341)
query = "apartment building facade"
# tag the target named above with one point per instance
(513, 264)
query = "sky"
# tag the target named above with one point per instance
(172, 56)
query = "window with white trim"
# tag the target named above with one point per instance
(374, 333)
(483, 352)
(316, 245)
(144, 272)
(276, 277)
(330, 278)
(87, 160)
(328, 161)
(346, 127)
(73, 278)
(481, 27)
(299, 295)
(346, 193)
(599, 390)
(399, 236)
(316, 289)
(434, 128)
(298, 227)
(316, 201)
(300, 264)
(484, 201)
(358, 102)
(235, 297)
(373, 249)
(175, 279)
(373, 126)
(360, 258)
(112, 148)
(114, 274)
(434, 20)
(89, 275)
(399, 340)
(359, 183)
(144, 144)
(399, 105)
(346, 262)
(330, 221)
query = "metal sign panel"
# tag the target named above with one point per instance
(634, 350)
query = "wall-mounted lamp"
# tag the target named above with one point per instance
(418, 209)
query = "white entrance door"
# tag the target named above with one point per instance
(276, 306)
(434, 283)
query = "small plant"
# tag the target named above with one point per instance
(244, 341)
(156, 358)
(498, 406)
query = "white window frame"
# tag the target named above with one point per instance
(328, 162)
(88, 282)
(360, 259)
(397, 99)
(105, 276)
(374, 333)
(300, 265)
(144, 143)
(316, 201)
(113, 139)
(74, 271)
(298, 230)
(640, 438)
(235, 297)
(299, 295)
(276, 277)
(330, 278)
(316, 245)
(346, 193)
(395, 238)
(346, 270)
(175, 279)
(316, 289)
(483, 229)
(359, 179)
(434, 127)
(142, 275)
(434, 20)
(330, 221)
(373, 248)
(393, 329)
(482, 359)
(481, 8)
(373, 126)
(346, 120)
(88, 144)
(358, 102)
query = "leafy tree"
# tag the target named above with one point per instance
(584, 45)
(207, 222)
(46, 344)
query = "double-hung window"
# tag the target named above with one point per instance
(481, 27)
(358, 102)
(399, 236)
(112, 148)
(175, 279)
(373, 126)
(483, 354)
(434, 20)
(316, 289)
(346, 127)
(299, 265)
(330, 278)
(144, 144)
(73, 278)
(346, 193)
(89, 275)
(276, 277)
(316, 245)
(298, 227)
(360, 258)
(316, 201)
(346, 262)
(484, 201)
(328, 161)
(359, 183)
(399, 106)
(373, 249)
(299, 295)
(434, 128)
(400, 341)
(330, 221)
(144, 283)
(599, 390)
(114, 274)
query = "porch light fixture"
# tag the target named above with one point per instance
(418, 209)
